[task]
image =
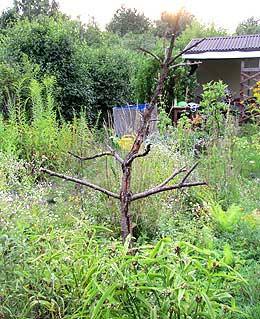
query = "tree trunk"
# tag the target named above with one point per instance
(125, 200)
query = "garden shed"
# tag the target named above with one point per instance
(233, 59)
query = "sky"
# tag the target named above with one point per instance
(224, 13)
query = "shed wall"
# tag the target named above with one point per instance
(226, 70)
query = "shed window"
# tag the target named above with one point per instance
(253, 63)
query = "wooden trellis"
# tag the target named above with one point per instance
(250, 74)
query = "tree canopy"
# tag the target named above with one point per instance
(249, 26)
(34, 8)
(168, 20)
(127, 20)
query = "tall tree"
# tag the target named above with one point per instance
(249, 26)
(127, 20)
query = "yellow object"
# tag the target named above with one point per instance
(126, 141)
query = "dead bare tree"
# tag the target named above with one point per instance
(126, 196)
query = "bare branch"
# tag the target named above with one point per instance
(144, 153)
(174, 174)
(81, 182)
(151, 54)
(163, 188)
(153, 191)
(173, 59)
(115, 154)
(189, 172)
(91, 157)
(111, 152)
(184, 64)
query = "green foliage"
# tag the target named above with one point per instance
(127, 20)
(180, 85)
(247, 155)
(110, 72)
(97, 78)
(231, 165)
(54, 262)
(228, 255)
(31, 9)
(198, 30)
(164, 124)
(49, 231)
(58, 40)
(7, 76)
(57, 265)
(93, 35)
(213, 105)
(38, 139)
(145, 78)
(226, 220)
(8, 18)
(249, 26)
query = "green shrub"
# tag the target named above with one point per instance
(96, 78)
(58, 40)
(110, 72)
(213, 107)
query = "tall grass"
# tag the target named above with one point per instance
(34, 131)
(57, 265)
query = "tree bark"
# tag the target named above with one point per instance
(125, 201)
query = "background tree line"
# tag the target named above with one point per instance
(94, 70)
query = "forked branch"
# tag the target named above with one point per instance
(189, 172)
(81, 182)
(111, 152)
(174, 174)
(184, 64)
(173, 59)
(151, 54)
(163, 187)
(142, 154)
(115, 154)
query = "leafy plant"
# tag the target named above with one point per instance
(213, 106)
(164, 124)
(227, 221)
(86, 276)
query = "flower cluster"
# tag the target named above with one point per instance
(257, 91)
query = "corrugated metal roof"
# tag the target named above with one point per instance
(223, 44)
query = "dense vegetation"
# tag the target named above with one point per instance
(196, 251)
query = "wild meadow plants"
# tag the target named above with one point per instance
(56, 264)
(195, 253)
